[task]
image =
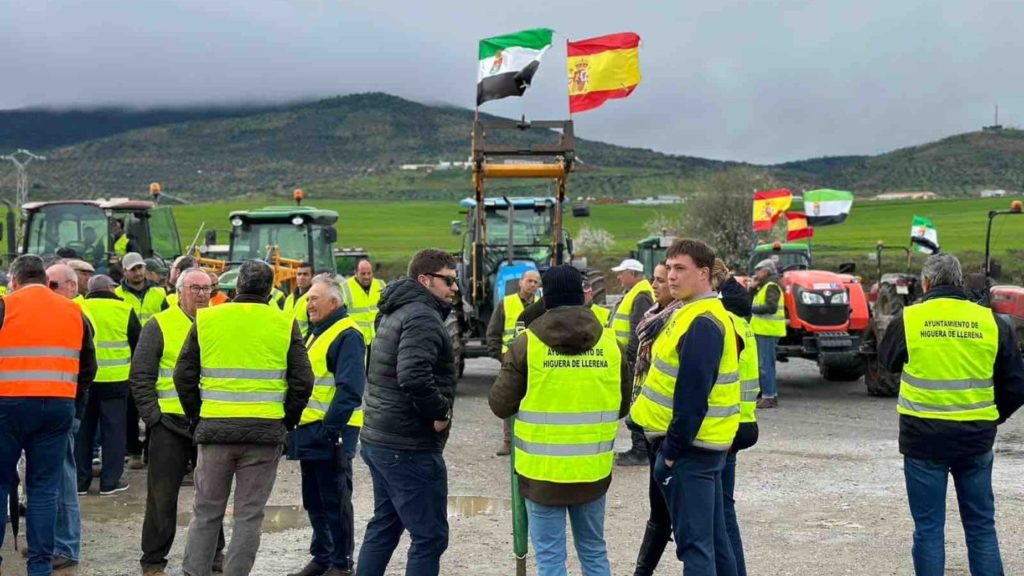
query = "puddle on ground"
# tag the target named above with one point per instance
(468, 506)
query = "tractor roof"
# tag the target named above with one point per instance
(783, 247)
(111, 204)
(286, 213)
(519, 202)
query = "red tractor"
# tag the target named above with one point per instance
(825, 312)
(889, 295)
(1006, 300)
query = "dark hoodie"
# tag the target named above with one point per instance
(736, 300)
(411, 381)
(569, 330)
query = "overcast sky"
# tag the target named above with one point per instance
(755, 81)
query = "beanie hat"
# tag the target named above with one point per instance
(563, 286)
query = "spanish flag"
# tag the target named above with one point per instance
(602, 68)
(798, 228)
(768, 206)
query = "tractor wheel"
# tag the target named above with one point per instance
(840, 366)
(595, 280)
(455, 336)
(878, 380)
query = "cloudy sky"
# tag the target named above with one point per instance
(758, 81)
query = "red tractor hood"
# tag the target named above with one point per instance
(1008, 300)
(823, 280)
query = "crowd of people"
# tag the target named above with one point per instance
(685, 358)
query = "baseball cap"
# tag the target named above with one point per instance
(154, 265)
(81, 266)
(629, 264)
(131, 260)
(766, 263)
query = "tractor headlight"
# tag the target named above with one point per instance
(236, 221)
(298, 221)
(811, 298)
(840, 298)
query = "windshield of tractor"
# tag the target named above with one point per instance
(785, 260)
(164, 231)
(78, 227)
(531, 232)
(254, 241)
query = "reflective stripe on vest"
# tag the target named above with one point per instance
(362, 307)
(34, 362)
(243, 370)
(152, 301)
(565, 428)
(769, 324)
(174, 325)
(951, 351)
(620, 320)
(653, 407)
(324, 386)
(750, 385)
(513, 307)
(296, 308)
(109, 319)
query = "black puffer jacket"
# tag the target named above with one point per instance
(412, 375)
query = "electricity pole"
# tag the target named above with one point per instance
(21, 159)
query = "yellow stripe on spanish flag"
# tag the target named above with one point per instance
(602, 68)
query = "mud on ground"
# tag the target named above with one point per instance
(821, 493)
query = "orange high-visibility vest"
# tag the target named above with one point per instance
(40, 343)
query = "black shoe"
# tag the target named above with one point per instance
(338, 572)
(631, 457)
(218, 562)
(312, 569)
(651, 550)
(121, 487)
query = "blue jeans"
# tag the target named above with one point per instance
(547, 532)
(327, 498)
(40, 427)
(732, 526)
(926, 492)
(67, 539)
(766, 365)
(410, 492)
(693, 492)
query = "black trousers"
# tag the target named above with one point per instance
(170, 454)
(327, 497)
(132, 432)
(105, 408)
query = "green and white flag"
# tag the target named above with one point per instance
(508, 63)
(825, 206)
(923, 235)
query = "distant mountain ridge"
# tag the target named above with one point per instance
(353, 147)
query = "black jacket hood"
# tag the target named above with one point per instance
(735, 298)
(406, 291)
(568, 329)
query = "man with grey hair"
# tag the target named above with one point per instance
(768, 322)
(244, 376)
(962, 375)
(324, 443)
(170, 439)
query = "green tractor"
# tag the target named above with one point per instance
(651, 250)
(505, 237)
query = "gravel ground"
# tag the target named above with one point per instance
(821, 493)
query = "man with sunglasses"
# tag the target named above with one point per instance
(409, 398)
(170, 439)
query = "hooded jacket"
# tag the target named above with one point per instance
(736, 299)
(412, 375)
(568, 330)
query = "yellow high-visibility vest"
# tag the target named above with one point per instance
(324, 387)
(620, 320)
(750, 385)
(109, 318)
(174, 325)
(769, 324)
(951, 350)
(566, 424)
(296, 308)
(362, 307)
(653, 407)
(243, 351)
(512, 306)
(603, 314)
(151, 303)
(121, 245)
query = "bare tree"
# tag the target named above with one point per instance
(721, 212)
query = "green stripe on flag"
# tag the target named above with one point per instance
(535, 38)
(827, 195)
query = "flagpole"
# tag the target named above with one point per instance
(568, 95)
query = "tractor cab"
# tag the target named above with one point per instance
(651, 250)
(1006, 299)
(787, 256)
(88, 229)
(284, 237)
